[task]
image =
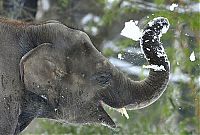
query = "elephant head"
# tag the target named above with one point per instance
(73, 78)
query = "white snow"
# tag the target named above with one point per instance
(119, 56)
(186, 34)
(155, 67)
(148, 49)
(109, 4)
(123, 112)
(164, 29)
(96, 19)
(125, 4)
(150, 23)
(161, 52)
(192, 56)
(195, 7)
(90, 17)
(94, 30)
(86, 18)
(43, 96)
(131, 30)
(173, 6)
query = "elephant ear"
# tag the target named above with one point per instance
(40, 67)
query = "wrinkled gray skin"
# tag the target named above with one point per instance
(51, 71)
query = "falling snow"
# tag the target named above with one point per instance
(192, 56)
(173, 6)
(120, 56)
(43, 96)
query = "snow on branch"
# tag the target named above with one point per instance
(144, 5)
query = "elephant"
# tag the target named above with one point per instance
(49, 70)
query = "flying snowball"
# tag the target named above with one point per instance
(131, 30)
(192, 56)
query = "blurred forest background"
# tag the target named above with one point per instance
(177, 112)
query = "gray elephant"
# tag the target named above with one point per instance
(49, 70)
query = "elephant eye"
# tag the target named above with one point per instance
(102, 78)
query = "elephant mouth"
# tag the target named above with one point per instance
(122, 111)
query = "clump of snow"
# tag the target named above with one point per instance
(155, 20)
(131, 30)
(186, 34)
(192, 56)
(155, 67)
(173, 6)
(120, 56)
(148, 49)
(162, 23)
(164, 29)
(123, 112)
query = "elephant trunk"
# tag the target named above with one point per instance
(130, 94)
